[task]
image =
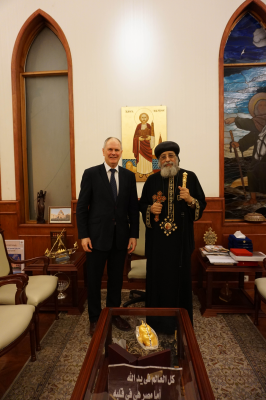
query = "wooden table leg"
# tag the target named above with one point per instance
(74, 279)
(241, 280)
(257, 305)
(200, 276)
(209, 278)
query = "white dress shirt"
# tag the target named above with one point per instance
(109, 173)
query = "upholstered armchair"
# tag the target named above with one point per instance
(39, 289)
(260, 294)
(136, 269)
(18, 319)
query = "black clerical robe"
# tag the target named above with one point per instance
(168, 280)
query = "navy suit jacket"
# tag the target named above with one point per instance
(98, 213)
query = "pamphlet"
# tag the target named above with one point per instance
(15, 249)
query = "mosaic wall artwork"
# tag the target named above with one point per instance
(245, 119)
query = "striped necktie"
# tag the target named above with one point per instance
(113, 183)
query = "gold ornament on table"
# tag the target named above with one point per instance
(59, 250)
(210, 237)
(146, 337)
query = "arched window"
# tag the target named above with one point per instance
(43, 116)
(244, 115)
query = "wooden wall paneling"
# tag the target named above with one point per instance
(28, 246)
(258, 239)
(37, 236)
(200, 228)
(9, 218)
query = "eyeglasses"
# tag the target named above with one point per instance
(164, 156)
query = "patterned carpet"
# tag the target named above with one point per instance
(233, 350)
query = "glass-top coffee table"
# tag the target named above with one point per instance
(186, 370)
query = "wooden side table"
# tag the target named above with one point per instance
(210, 303)
(74, 268)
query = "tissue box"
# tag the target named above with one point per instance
(235, 243)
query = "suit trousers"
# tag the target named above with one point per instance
(95, 264)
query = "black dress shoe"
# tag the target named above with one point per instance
(121, 324)
(92, 327)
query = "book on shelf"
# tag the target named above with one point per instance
(256, 256)
(247, 264)
(241, 252)
(211, 249)
(221, 260)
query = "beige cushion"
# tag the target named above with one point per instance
(4, 264)
(140, 248)
(39, 288)
(261, 286)
(138, 269)
(14, 320)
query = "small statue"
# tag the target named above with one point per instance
(146, 335)
(40, 207)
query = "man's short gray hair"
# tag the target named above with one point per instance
(112, 137)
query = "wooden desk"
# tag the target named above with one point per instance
(241, 302)
(74, 268)
(92, 381)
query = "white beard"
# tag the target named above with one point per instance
(169, 171)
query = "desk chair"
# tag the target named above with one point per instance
(136, 269)
(260, 294)
(16, 320)
(38, 290)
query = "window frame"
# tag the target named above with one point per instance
(258, 10)
(31, 28)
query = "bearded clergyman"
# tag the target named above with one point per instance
(172, 199)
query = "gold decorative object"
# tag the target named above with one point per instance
(59, 250)
(184, 180)
(210, 237)
(62, 284)
(254, 217)
(146, 337)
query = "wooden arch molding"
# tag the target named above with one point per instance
(30, 29)
(258, 9)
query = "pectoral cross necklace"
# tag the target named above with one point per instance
(168, 225)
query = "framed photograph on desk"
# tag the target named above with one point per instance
(59, 215)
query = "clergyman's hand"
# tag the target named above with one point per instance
(132, 243)
(86, 245)
(184, 194)
(156, 208)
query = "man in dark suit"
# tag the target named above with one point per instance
(108, 226)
